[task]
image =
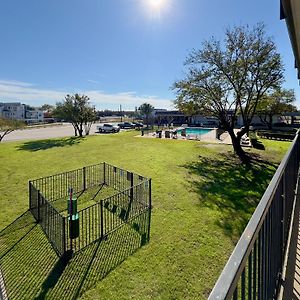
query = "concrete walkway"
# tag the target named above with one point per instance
(209, 137)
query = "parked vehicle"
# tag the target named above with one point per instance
(138, 125)
(126, 125)
(106, 128)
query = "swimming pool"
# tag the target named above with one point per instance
(194, 130)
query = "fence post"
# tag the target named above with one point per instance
(150, 208)
(30, 195)
(38, 205)
(130, 197)
(131, 186)
(64, 236)
(104, 179)
(101, 220)
(84, 178)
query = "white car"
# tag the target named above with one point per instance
(108, 128)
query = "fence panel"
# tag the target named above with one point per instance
(117, 178)
(104, 217)
(56, 186)
(89, 228)
(33, 200)
(52, 223)
(94, 175)
(124, 206)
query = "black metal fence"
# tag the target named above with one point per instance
(255, 267)
(130, 206)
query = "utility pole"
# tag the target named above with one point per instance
(121, 111)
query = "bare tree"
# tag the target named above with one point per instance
(7, 126)
(229, 79)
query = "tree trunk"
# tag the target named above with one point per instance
(5, 133)
(270, 122)
(75, 129)
(236, 143)
(87, 128)
(80, 130)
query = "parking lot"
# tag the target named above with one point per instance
(49, 131)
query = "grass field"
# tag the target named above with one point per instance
(202, 199)
(86, 199)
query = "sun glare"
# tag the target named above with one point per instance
(156, 8)
(156, 4)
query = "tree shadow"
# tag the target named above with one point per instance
(32, 269)
(231, 188)
(48, 144)
(25, 257)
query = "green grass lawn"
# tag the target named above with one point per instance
(202, 199)
(85, 199)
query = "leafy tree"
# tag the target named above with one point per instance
(91, 117)
(275, 103)
(48, 110)
(47, 107)
(230, 79)
(146, 110)
(7, 126)
(76, 110)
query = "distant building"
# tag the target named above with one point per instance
(22, 112)
(177, 117)
(13, 110)
(163, 116)
(33, 115)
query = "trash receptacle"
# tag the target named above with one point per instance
(74, 226)
(72, 207)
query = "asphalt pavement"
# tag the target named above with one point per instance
(47, 132)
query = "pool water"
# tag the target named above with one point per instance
(195, 131)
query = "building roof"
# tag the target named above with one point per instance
(169, 113)
(290, 11)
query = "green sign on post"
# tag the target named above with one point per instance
(73, 215)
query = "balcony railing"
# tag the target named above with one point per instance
(254, 269)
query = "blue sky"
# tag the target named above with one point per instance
(117, 51)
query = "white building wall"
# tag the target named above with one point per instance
(13, 110)
(18, 111)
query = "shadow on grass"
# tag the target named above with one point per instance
(32, 270)
(231, 188)
(48, 144)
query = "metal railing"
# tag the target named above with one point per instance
(54, 187)
(99, 220)
(254, 269)
(52, 222)
(130, 205)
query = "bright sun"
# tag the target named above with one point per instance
(155, 9)
(156, 4)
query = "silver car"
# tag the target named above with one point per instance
(108, 128)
